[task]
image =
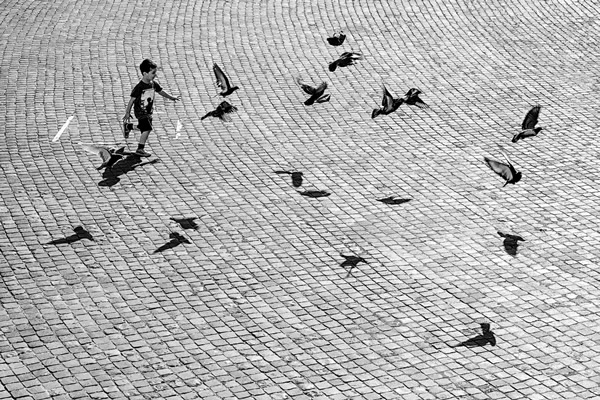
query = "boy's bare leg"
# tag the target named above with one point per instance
(144, 137)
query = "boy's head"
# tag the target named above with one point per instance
(148, 69)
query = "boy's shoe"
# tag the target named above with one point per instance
(142, 153)
(127, 127)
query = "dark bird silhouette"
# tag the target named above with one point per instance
(186, 223)
(317, 94)
(351, 262)
(223, 82)
(222, 112)
(109, 156)
(80, 234)
(347, 58)
(506, 171)
(296, 177)
(511, 242)
(393, 200)
(176, 240)
(486, 337)
(315, 193)
(337, 39)
(412, 98)
(528, 126)
(388, 104)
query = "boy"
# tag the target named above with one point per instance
(142, 100)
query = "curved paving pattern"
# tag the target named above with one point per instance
(256, 306)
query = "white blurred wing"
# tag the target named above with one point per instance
(103, 152)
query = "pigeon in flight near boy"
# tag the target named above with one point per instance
(223, 82)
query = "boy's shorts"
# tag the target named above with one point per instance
(145, 124)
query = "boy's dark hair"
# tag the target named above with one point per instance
(147, 65)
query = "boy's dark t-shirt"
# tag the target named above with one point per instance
(144, 98)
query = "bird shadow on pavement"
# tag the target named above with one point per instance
(186, 223)
(176, 240)
(351, 262)
(392, 200)
(122, 167)
(511, 242)
(80, 234)
(486, 337)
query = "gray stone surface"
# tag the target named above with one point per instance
(257, 306)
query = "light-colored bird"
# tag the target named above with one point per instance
(108, 155)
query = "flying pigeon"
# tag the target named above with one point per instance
(316, 94)
(347, 58)
(506, 171)
(337, 39)
(351, 261)
(109, 156)
(223, 82)
(388, 104)
(528, 126)
(221, 112)
(412, 98)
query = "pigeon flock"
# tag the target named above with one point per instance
(317, 94)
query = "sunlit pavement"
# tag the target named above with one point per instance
(249, 300)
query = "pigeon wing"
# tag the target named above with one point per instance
(307, 88)
(222, 80)
(505, 155)
(324, 98)
(103, 152)
(388, 100)
(225, 117)
(499, 168)
(320, 89)
(420, 103)
(334, 41)
(333, 66)
(531, 119)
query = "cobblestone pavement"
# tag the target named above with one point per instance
(257, 305)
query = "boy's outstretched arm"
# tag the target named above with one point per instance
(168, 96)
(128, 110)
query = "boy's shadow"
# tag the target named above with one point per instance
(511, 242)
(121, 167)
